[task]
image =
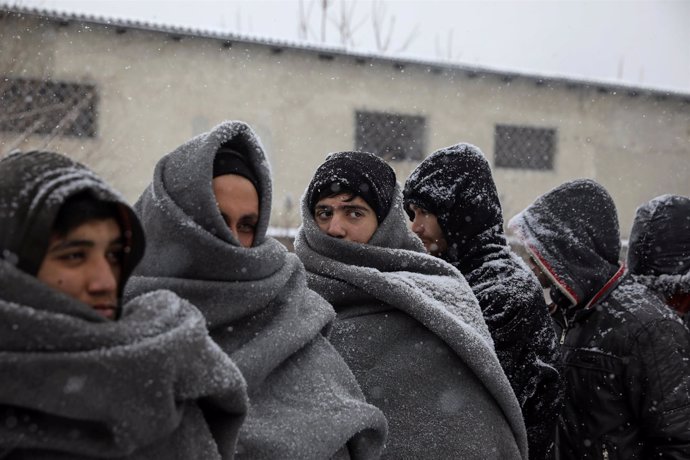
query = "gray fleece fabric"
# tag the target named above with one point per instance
(76, 385)
(414, 336)
(304, 401)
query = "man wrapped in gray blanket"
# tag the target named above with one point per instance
(206, 214)
(408, 324)
(82, 375)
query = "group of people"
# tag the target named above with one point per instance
(178, 329)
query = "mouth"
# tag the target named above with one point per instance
(106, 310)
(431, 245)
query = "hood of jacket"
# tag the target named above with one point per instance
(455, 184)
(659, 251)
(572, 233)
(34, 187)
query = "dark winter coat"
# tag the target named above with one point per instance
(456, 185)
(304, 401)
(626, 371)
(659, 251)
(76, 385)
(413, 334)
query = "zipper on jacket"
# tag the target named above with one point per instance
(604, 452)
(565, 329)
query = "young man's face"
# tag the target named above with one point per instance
(238, 202)
(425, 225)
(86, 264)
(342, 217)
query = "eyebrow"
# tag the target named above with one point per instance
(357, 207)
(252, 217)
(346, 207)
(69, 244)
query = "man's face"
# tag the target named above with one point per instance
(342, 216)
(238, 202)
(86, 264)
(425, 225)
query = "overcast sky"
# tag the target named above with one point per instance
(640, 43)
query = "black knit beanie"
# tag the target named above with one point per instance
(360, 173)
(230, 161)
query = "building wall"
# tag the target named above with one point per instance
(156, 91)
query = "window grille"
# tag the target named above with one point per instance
(391, 136)
(524, 147)
(48, 107)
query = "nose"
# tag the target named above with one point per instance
(417, 226)
(102, 278)
(241, 238)
(335, 228)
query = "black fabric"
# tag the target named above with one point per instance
(456, 184)
(304, 400)
(572, 231)
(628, 380)
(659, 248)
(626, 370)
(33, 188)
(363, 174)
(230, 161)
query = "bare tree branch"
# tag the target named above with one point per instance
(303, 29)
(324, 16)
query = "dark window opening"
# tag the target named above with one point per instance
(33, 106)
(524, 147)
(393, 137)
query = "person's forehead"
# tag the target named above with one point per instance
(344, 200)
(109, 225)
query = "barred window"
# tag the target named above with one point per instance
(524, 147)
(391, 136)
(35, 106)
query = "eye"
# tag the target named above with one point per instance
(323, 214)
(115, 254)
(356, 214)
(72, 257)
(246, 228)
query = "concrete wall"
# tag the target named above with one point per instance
(156, 91)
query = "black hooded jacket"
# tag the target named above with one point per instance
(659, 251)
(627, 377)
(456, 185)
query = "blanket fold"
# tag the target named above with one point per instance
(79, 386)
(413, 333)
(304, 401)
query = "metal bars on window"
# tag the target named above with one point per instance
(391, 136)
(33, 106)
(524, 147)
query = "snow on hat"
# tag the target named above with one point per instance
(230, 161)
(360, 173)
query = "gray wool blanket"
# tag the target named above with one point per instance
(413, 333)
(304, 401)
(77, 386)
